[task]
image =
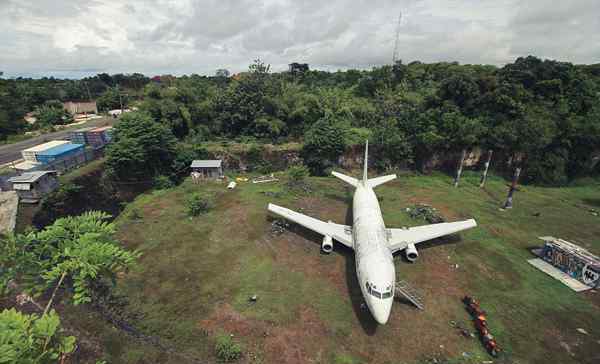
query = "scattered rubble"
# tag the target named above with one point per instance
(279, 226)
(425, 212)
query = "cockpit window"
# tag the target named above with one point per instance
(373, 292)
(387, 295)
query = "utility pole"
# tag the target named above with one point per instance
(88, 91)
(395, 55)
(120, 100)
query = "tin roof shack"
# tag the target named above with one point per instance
(208, 168)
(571, 259)
(30, 154)
(32, 186)
(59, 152)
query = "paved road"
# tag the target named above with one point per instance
(12, 152)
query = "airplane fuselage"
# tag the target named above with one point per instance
(374, 261)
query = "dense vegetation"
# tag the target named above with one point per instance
(542, 114)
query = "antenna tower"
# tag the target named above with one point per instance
(395, 56)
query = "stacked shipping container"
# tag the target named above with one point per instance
(79, 136)
(99, 136)
(59, 152)
(30, 154)
(95, 137)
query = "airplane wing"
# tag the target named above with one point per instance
(400, 238)
(341, 233)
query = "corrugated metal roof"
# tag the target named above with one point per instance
(60, 149)
(83, 130)
(102, 128)
(26, 165)
(29, 177)
(212, 163)
(44, 146)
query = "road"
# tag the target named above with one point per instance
(12, 152)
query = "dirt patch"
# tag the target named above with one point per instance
(298, 343)
(294, 344)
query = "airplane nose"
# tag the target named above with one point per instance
(381, 313)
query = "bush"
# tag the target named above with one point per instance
(256, 162)
(226, 349)
(297, 173)
(198, 204)
(162, 182)
(297, 179)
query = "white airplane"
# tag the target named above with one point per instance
(373, 243)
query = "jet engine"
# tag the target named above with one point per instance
(327, 245)
(411, 252)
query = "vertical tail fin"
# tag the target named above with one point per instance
(365, 176)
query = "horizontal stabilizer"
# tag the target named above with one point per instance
(349, 180)
(374, 182)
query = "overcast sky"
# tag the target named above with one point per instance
(78, 38)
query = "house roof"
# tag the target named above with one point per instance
(212, 163)
(29, 177)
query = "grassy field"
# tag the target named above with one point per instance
(196, 275)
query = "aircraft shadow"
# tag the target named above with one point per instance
(366, 320)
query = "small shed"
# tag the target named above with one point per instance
(208, 168)
(32, 186)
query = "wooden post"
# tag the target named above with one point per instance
(513, 187)
(487, 167)
(460, 167)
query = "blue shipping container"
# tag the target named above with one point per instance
(59, 152)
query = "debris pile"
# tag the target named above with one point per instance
(265, 179)
(481, 325)
(425, 212)
(279, 226)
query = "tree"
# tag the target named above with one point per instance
(112, 99)
(52, 113)
(32, 339)
(222, 72)
(323, 144)
(392, 145)
(80, 251)
(141, 148)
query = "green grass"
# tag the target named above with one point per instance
(192, 268)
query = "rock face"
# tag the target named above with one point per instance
(9, 202)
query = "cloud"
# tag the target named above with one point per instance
(67, 37)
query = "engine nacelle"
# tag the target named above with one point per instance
(327, 245)
(411, 252)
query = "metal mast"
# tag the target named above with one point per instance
(395, 56)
